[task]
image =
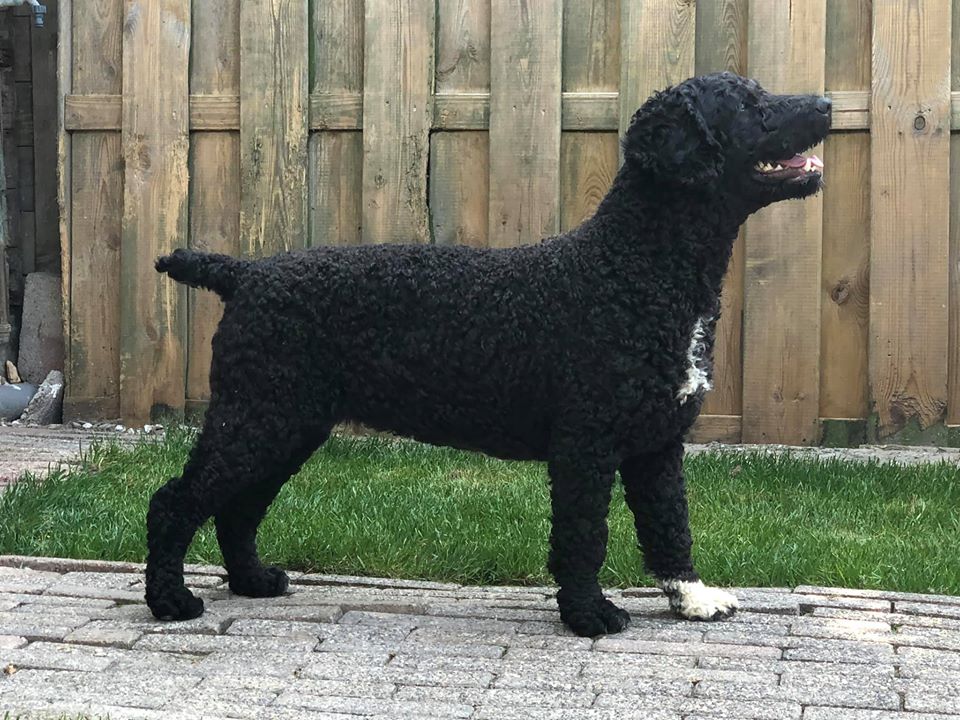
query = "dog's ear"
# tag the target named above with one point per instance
(669, 137)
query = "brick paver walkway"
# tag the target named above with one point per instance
(75, 637)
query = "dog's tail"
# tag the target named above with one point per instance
(210, 271)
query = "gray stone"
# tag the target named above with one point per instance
(829, 628)
(842, 713)
(615, 644)
(276, 628)
(509, 698)
(386, 583)
(845, 651)
(104, 636)
(8, 642)
(41, 334)
(57, 656)
(46, 406)
(14, 399)
(917, 608)
(212, 643)
(35, 626)
(151, 691)
(65, 565)
(710, 707)
(256, 610)
(91, 591)
(371, 706)
(638, 712)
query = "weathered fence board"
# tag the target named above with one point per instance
(94, 209)
(460, 160)
(953, 364)
(524, 121)
(493, 123)
(782, 289)
(336, 156)
(214, 178)
(722, 45)
(397, 111)
(156, 52)
(591, 66)
(274, 108)
(844, 302)
(909, 203)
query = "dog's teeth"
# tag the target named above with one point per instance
(778, 168)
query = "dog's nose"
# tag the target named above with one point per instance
(823, 105)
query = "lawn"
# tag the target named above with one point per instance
(397, 508)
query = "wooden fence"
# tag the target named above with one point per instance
(254, 126)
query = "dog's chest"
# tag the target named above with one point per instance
(696, 378)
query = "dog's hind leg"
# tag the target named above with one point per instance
(238, 520)
(580, 498)
(656, 493)
(235, 453)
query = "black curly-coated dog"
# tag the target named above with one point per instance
(590, 351)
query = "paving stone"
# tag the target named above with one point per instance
(918, 608)
(36, 626)
(915, 657)
(420, 621)
(615, 644)
(92, 591)
(877, 594)
(58, 656)
(845, 651)
(845, 690)
(508, 697)
(258, 611)
(317, 579)
(371, 706)
(928, 701)
(842, 713)
(25, 577)
(10, 642)
(769, 635)
(279, 663)
(204, 700)
(275, 628)
(50, 602)
(838, 629)
(338, 638)
(116, 581)
(840, 601)
(541, 713)
(211, 643)
(65, 565)
(136, 691)
(551, 642)
(149, 662)
(714, 707)
(465, 650)
(203, 581)
(463, 610)
(933, 638)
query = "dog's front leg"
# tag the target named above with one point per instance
(656, 493)
(580, 498)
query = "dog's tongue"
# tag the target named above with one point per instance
(797, 161)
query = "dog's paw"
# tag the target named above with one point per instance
(593, 615)
(271, 581)
(696, 601)
(179, 604)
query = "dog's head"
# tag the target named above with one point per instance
(727, 132)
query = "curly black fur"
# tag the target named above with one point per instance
(572, 351)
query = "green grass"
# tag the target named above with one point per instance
(380, 507)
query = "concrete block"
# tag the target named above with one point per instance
(41, 336)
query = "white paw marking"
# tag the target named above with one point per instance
(697, 376)
(696, 601)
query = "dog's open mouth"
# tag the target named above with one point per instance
(799, 167)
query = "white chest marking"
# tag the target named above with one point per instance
(697, 376)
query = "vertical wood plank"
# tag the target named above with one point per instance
(657, 49)
(214, 176)
(845, 299)
(93, 200)
(722, 45)
(336, 156)
(397, 112)
(22, 165)
(156, 53)
(460, 161)
(953, 362)
(274, 106)
(525, 46)
(591, 63)
(44, 68)
(782, 293)
(909, 198)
